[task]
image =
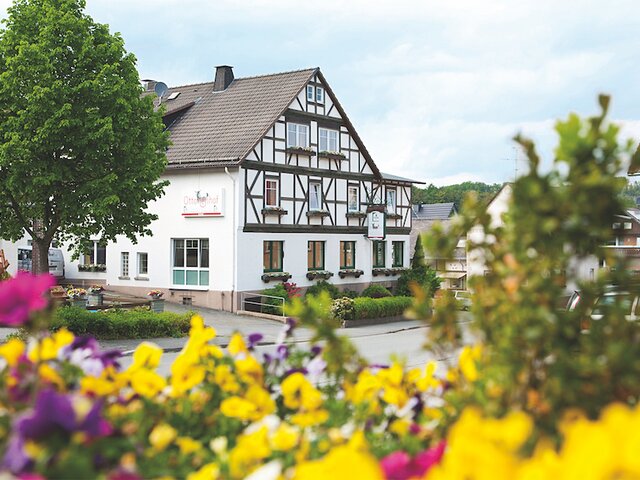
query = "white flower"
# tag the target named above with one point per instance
(269, 471)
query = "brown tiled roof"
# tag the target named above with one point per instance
(220, 128)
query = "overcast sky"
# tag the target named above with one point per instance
(436, 89)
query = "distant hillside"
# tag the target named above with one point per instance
(454, 193)
(630, 193)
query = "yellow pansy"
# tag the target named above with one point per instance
(310, 418)
(237, 345)
(185, 375)
(225, 379)
(161, 436)
(147, 355)
(284, 438)
(298, 392)
(341, 463)
(108, 383)
(210, 471)
(188, 445)
(250, 370)
(249, 452)
(147, 383)
(238, 407)
(261, 398)
(468, 358)
(366, 388)
(424, 379)
(12, 351)
(47, 348)
(49, 374)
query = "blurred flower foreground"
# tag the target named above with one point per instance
(536, 398)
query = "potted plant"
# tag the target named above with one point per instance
(157, 302)
(96, 295)
(77, 297)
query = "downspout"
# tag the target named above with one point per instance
(233, 243)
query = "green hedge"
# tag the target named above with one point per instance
(120, 324)
(380, 307)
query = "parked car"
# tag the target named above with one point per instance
(56, 261)
(463, 299)
(628, 301)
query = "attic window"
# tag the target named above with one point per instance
(173, 95)
(319, 95)
(310, 93)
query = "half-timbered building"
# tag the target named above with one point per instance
(268, 181)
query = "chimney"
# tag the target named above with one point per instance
(224, 77)
(149, 85)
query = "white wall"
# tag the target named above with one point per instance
(250, 268)
(171, 224)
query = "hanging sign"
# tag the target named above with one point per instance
(203, 203)
(376, 223)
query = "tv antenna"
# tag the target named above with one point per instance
(160, 89)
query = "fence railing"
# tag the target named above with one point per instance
(261, 303)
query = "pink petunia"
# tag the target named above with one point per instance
(21, 296)
(400, 466)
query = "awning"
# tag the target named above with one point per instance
(454, 275)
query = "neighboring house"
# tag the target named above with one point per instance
(584, 268)
(269, 180)
(626, 237)
(453, 270)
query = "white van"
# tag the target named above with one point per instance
(56, 261)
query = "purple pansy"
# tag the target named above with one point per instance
(85, 353)
(254, 338)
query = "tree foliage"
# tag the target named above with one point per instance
(538, 358)
(454, 193)
(418, 276)
(80, 150)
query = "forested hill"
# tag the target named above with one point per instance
(630, 193)
(454, 193)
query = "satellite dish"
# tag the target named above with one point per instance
(160, 89)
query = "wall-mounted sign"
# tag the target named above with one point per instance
(203, 203)
(376, 223)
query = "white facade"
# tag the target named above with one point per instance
(307, 179)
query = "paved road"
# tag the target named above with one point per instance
(376, 343)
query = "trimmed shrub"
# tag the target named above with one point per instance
(376, 291)
(119, 324)
(426, 278)
(349, 293)
(366, 307)
(273, 305)
(343, 309)
(325, 286)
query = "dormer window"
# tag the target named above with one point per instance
(319, 95)
(310, 93)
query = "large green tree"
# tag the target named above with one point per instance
(81, 151)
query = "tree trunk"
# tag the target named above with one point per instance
(40, 256)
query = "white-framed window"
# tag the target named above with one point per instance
(319, 95)
(352, 198)
(271, 192)
(124, 264)
(627, 225)
(615, 225)
(328, 140)
(315, 196)
(190, 261)
(143, 263)
(310, 93)
(96, 255)
(297, 135)
(391, 201)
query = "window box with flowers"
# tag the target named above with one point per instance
(157, 302)
(356, 214)
(381, 271)
(350, 272)
(332, 155)
(319, 275)
(274, 211)
(302, 151)
(278, 276)
(394, 216)
(397, 270)
(317, 213)
(94, 267)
